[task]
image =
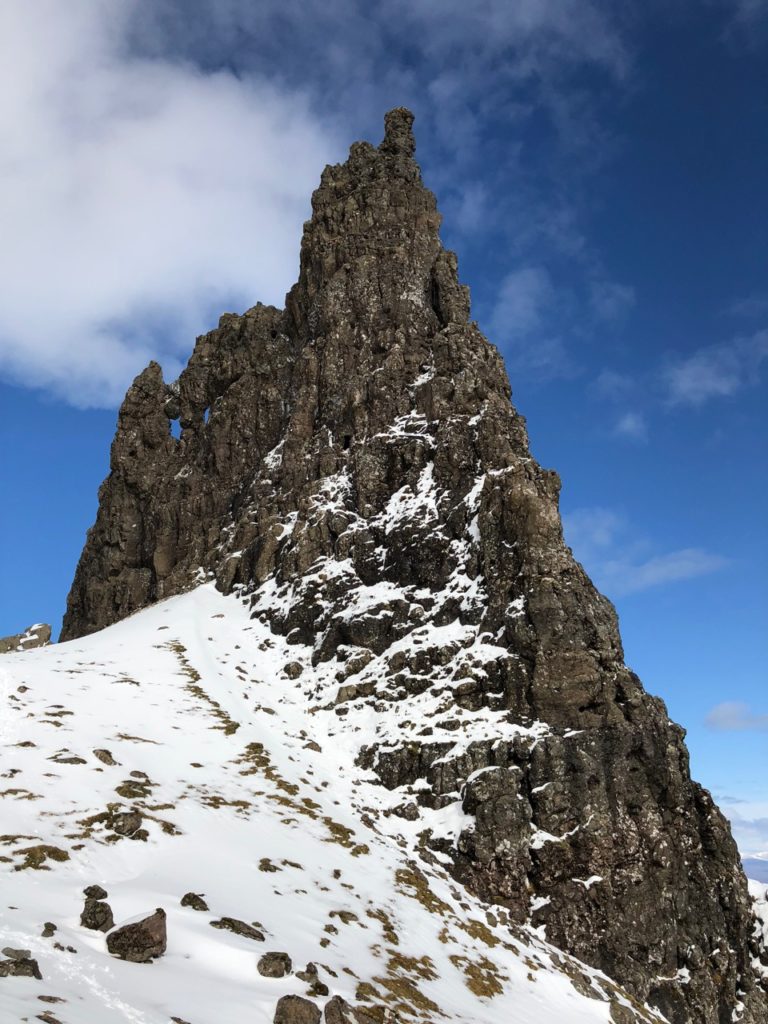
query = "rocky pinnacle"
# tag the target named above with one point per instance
(353, 467)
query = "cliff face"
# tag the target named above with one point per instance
(353, 467)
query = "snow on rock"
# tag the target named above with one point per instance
(215, 735)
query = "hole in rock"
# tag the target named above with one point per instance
(347, 441)
(206, 414)
(176, 429)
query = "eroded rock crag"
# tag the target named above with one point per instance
(353, 466)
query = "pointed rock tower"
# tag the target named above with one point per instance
(353, 467)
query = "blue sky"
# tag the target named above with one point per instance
(601, 169)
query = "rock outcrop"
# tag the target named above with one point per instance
(353, 467)
(37, 635)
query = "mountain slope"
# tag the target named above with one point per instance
(352, 465)
(202, 728)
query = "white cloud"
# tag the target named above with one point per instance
(621, 564)
(137, 196)
(524, 298)
(633, 426)
(522, 323)
(716, 371)
(623, 576)
(611, 301)
(735, 715)
(613, 385)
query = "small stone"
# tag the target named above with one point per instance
(97, 916)
(409, 810)
(95, 892)
(309, 974)
(274, 965)
(104, 756)
(194, 900)
(126, 823)
(17, 954)
(296, 1010)
(231, 924)
(48, 929)
(293, 669)
(140, 941)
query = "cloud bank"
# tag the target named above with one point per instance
(137, 196)
(158, 159)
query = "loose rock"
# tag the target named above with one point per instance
(140, 941)
(194, 900)
(97, 916)
(274, 965)
(296, 1010)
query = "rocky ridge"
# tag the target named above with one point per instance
(37, 635)
(352, 467)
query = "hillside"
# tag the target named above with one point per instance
(172, 754)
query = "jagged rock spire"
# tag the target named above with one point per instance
(353, 466)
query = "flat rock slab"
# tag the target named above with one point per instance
(140, 941)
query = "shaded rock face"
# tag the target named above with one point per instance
(139, 941)
(353, 466)
(38, 635)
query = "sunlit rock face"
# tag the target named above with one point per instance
(353, 468)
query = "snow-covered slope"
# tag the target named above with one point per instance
(230, 746)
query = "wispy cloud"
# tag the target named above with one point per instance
(716, 371)
(522, 323)
(735, 716)
(633, 426)
(750, 306)
(623, 576)
(623, 564)
(611, 301)
(613, 385)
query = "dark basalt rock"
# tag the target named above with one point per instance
(338, 1011)
(97, 915)
(20, 967)
(369, 424)
(140, 941)
(274, 965)
(194, 900)
(38, 635)
(296, 1010)
(231, 924)
(95, 892)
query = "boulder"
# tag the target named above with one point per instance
(139, 941)
(21, 967)
(274, 965)
(296, 1010)
(97, 916)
